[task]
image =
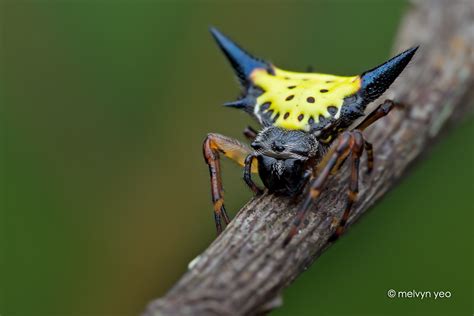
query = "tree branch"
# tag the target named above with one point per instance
(245, 269)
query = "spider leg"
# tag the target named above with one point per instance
(350, 142)
(357, 148)
(213, 146)
(339, 164)
(356, 151)
(250, 133)
(370, 159)
(248, 174)
(370, 156)
(381, 111)
(341, 150)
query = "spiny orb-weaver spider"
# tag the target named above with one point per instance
(302, 115)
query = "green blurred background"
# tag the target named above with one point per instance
(105, 195)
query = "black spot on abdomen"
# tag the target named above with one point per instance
(332, 110)
(265, 106)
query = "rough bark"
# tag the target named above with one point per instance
(245, 269)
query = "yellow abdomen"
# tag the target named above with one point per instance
(298, 101)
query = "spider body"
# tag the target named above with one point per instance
(307, 124)
(284, 158)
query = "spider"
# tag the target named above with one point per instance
(309, 129)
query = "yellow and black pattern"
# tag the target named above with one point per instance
(310, 102)
(302, 115)
(300, 101)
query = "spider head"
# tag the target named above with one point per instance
(283, 157)
(284, 144)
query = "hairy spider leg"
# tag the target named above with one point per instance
(348, 142)
(370, 156)
(342, 149)
(356, 152)
(381, 111)
(248, 174)
(213, 145)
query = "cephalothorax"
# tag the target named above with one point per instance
(307, 128)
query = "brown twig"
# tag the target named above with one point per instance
(245, 269)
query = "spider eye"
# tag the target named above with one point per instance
(278, 146)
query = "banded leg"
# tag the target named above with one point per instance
(248, 174)
(370, 159)
(352, 143)
(370, 156)
(341, 151)
(356, 152)
(213, 145)
(339, 164)
(381, 111)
